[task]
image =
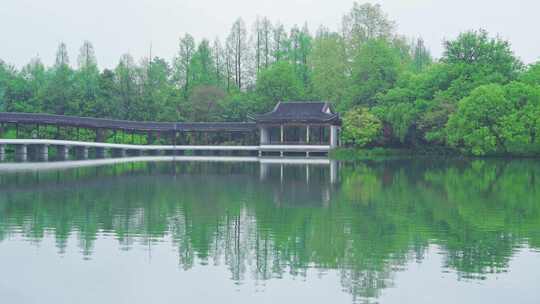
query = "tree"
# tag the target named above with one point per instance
(87, 78)
(328, 64)
(266, 41)
(482, 58)
(59, 97)
(237, 46)
(300, 48)
(127, 88)
(279, 39)
(521, 127)
(17, 95)
(218, 56)
(420, 55)
(375, 70)
(36, 77)
(361, 127)
(182, 64)
(202, 65)
(106, 105)
(363, 23)
(278, 83)
(477, 124)
(62, 57)
(5, 74)
(532, 75)
(157, 90)
(205, 102)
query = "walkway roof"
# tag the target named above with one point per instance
(98, 123)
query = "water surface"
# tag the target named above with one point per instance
(394, 231)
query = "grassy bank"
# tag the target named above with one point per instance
(369, 153)
(379, 152)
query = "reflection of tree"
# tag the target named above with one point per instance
(381, 216)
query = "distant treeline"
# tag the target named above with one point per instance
(478, 97)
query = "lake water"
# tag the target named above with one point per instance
(389, 231)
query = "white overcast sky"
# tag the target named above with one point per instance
(35, 27)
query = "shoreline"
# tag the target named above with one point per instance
(352, 154)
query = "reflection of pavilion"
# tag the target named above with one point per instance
(266, 163)
(300, 183)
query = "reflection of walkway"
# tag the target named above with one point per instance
(264, 163)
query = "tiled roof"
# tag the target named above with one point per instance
(320, 112)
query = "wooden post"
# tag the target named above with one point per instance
(150, 138)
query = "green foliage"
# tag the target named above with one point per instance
(492, 57)
(496, 119)
(278, 83)
(375, 69)
(329, 65)
(532, 75)
(361, 127)
(205, 103)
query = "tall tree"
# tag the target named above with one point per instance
(126, 82)
(490, 57)
(375, 70)
(202, 65)
(182, 64)
(59, 97)
(36, 76)
(218, 55)
(328, 63)
(266, 40)
(157, 90)
(279, 41)
(420, 55)
(87, 78)
(365, 22)
(278, 83)
(107, 101)
(237, 44)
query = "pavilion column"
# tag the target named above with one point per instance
(81, 152)
(151, 138)
(264, 135)
(21, 152)
(2, 152)
(100, 135)
(282, 133)
(62, 152)
(100, 152)
(307, 134)
(119, 152)
(333, 136)
(42, 152)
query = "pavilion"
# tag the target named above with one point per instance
(299, 126)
